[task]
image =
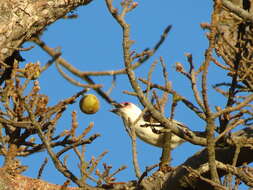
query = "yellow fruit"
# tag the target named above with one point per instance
(89, 104)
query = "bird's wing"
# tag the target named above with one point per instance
(159, 128)
(159, 125)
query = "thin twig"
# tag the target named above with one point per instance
(150, 72)
(188, 104)
(59, 166)
(247, 100)
(134, 154)
(71, 68)
(211, 182)
(145, 173)
(74, 82)
(42, 167)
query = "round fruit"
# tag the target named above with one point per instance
(89, 104)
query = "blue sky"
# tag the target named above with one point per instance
(93, 43)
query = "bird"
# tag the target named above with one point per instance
(145, 130)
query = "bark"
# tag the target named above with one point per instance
(19, 182)
(20, 20)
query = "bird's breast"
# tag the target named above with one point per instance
(146, 134)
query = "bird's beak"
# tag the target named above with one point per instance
(117, 108)
(114, 110)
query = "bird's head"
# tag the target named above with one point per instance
(127, 110)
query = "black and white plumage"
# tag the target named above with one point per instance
(146, 131)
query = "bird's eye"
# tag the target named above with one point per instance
(126, 103)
